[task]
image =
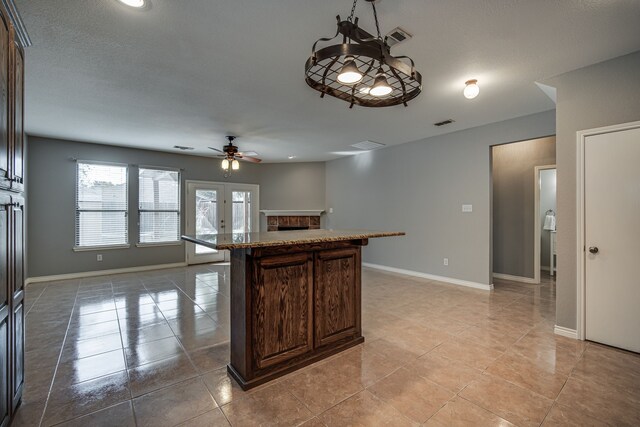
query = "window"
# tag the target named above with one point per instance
(101, 205)
(159, 207)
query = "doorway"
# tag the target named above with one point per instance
(217, 208)
(545, 221)
(608, 230)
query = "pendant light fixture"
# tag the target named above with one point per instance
(361, 70)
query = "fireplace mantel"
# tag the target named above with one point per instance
(290, 212)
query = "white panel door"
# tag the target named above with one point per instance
(205, 215)
(612, 238)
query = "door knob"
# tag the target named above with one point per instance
(593, 249)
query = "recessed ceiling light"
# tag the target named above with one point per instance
(138, 4)
(291, 157)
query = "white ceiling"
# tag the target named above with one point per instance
(189, 72)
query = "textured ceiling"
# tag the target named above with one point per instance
(189, 72)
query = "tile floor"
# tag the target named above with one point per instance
(150, 350)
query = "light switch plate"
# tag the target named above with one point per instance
(467, 208)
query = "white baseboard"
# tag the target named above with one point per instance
(430, 276)
(84, 274)
(547, 268)
(565, 332)
(515, 278)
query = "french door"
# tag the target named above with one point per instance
(218, 208)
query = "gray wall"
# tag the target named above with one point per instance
(547, 201)
(419, 188)
(51, 200)
(603, 94)
(514, 203)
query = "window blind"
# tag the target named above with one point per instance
(101, 205)
(159, 207)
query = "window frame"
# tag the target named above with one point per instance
(177, 242)
(76, 246)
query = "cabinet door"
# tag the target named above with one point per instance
(17, 294)
(4, 100)
(17, 143)
(337, 295)
(4, 311)
(4, 367)
(283, 309)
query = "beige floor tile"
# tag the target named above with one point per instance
(210, 358)
(324, 385)
(223, 388)
(364, 410)
(614, 405)
(173, 405)
(413, 396)
(527, 374)
(67, 403)
(459, 412)
(122, 414)
(445, 372)
(515, 404)
(467, 352)
(155, 375)
(566, 416)
(76, 371)
(365, 365)
(213, 418)
(153, 351)
(270, 406)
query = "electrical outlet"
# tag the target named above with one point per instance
(99, 257)
(330, 210)
(446, 261)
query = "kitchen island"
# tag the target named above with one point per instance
(295, 298)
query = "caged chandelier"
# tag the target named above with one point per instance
(361, 70)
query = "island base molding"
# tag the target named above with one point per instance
(291, 306)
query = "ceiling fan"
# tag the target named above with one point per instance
(230, 155)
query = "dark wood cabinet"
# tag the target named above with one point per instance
(292, 306)
(17, 117)
(4, 100)
(12, 140)
(337, 295)
(17, 299)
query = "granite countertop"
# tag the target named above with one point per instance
(283, 238)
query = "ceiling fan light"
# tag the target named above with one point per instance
(471, 90)
(380, 86)
(235, 165)
(349, 74)
(225, 164)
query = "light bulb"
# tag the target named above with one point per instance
(225, 164)
(380, 86)
(471, 90)
(349, 74)
(235, 165)
(133, 3)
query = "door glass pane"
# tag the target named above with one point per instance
(206, 216)
(241, 211)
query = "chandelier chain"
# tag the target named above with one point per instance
(375, 17)
(353, 11)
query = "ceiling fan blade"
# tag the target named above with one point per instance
(249, 159)
(215, 149)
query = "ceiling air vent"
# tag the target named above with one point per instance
(182, 147)
(367, 145)
(396, 36)
(444, 122)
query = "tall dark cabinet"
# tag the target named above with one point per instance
(12, 217)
